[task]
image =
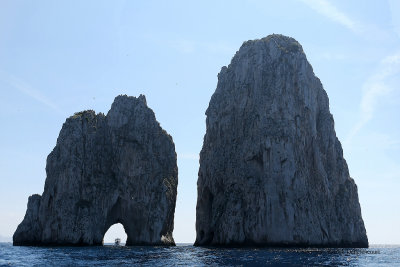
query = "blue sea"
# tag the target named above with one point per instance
(188, 255)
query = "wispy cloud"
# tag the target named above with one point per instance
(366, 30)
(328, 10)
(26, 89)
(375, 88)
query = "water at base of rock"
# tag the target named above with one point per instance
(188, 255)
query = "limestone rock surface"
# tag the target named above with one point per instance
(272, 171)
(118, 168)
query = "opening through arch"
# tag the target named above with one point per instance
(116, 230)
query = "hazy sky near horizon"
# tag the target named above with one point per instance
(60, 57)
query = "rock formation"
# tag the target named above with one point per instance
(272, 171)
(119, 168)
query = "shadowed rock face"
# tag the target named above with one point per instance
(119, 168)
(272, 171)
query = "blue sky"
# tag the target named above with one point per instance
(57, 58)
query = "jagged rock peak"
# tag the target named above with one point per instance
(272, 171)
(284, 43)
(130, 100)
(118, 168)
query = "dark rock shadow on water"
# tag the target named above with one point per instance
(188, 255)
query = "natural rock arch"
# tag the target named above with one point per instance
(106, 169)
(113, 232)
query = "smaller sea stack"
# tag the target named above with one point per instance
(118, 168)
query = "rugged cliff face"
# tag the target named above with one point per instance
(119, 168)
(272, 170)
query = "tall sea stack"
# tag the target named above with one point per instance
(119, 168)
(272, 171)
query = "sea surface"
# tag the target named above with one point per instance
(188, 255)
